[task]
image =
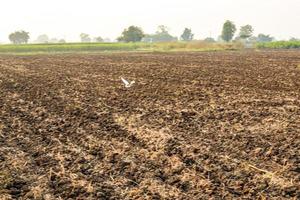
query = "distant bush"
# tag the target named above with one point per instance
(196, 46)
(209, 39)
(279, 45)
(264, 38)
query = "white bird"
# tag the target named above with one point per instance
(126, 83)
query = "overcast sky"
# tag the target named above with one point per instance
(68, 18)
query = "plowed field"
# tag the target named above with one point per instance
(210, 125)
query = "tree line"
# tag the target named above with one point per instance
(136, 34)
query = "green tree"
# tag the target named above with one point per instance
(162, 29)
(42, 39)
(98, 39)
(85, 37)
(228, 31)
(187, 35)
(161, 35)
(264, 38)
(293, 39)
(246, 31)
(131, 34)
(62, 41)
(19, 37)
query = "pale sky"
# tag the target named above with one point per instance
(68, 18)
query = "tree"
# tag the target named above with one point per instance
(62, 41)
(246, 31)
(131, 34)
(19, 37)
(85, 37)
(187, 35)
(161, 35)
(162, 29)
(264, 38)
(98, 39)
(42, 39)
(292, 39)
(228, 31)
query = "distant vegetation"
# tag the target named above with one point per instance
(209, 39)
(264, 38)
(98, 39)
(19, 37)
(228, 31)
(279, 45)
(131, 34)
(246, 32)
(42, 39)
(85, 37)
(134, 38)
(138, 46)
(69, 47)
(187, 35)
(161, 35)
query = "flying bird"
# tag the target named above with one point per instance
(126, 83)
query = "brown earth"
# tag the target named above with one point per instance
(218, 125)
